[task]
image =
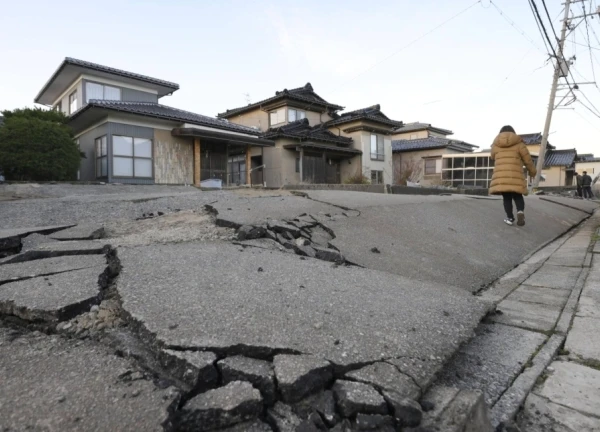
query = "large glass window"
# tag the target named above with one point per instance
(377, 151)
(468, 171)
(101, 157)
(294, 114)
(73, 102)
(132, 157)
(101, 92)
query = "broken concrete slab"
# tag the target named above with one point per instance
(374, 422)
(58, 249)
(551, 276)
(80, 232)
(422, 371)
(226, 406)
(541, 415)
(282, 418)
(527, 315)
(300, 375)
(292, 305)
(258, 372)
(574, 386)
(22, 232)
(583, 339)
(48, 266)
(52, 383)
(194, 370)
(235, 211)
(456, 411)
(52, 298)
(323, 403)
(251, 426)
(384, 376)
(354, 397)
(406, 411)
(542, 295)
(32, 241)
(250, 232)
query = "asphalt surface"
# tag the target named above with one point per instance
(219, 296)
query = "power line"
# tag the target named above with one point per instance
(587, 29)
(515, 26)
(541, 28)
(550, 20)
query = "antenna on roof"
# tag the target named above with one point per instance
(247, 97)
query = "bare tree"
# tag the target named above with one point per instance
(408, 171)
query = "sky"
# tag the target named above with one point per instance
(459, 65)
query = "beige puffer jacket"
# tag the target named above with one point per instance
(510, 153)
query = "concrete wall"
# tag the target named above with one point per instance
(173, 159)
(87, 167)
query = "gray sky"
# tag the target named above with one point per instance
(473, 74)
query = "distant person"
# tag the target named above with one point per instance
(586, 184)
(578, 178)
(510, 153)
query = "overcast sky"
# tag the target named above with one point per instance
(471, 75)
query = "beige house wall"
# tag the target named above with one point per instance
(407, 135)
(592, 168)
(256, 118)
(555, 176)
(417, 158)
(173, 159)
(280, 164)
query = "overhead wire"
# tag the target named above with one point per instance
(515, 26)
(587, 29)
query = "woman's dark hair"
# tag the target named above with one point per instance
(507, 129)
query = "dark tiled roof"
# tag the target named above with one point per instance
(301, 94)
(372, 113)
(430, 143)
(301, 130)
(535, 138)
(151, 109)
(560, 158)
(417, 126)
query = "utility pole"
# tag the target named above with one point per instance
(560, 61)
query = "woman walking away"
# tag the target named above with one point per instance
(510, 153)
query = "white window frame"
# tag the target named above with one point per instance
(377, 148)
(435, 164)
(298, 114)
(104, 87)
(280, 114)
(73, 100)
(134, 157)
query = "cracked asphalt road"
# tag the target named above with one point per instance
(178, 282)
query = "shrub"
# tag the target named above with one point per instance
(409, 170)
(358, 178)
(37, 145)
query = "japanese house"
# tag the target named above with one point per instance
(128, 136)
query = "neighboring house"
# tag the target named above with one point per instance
(559, 168)
(370, 130)
(420, 159)
(589, 163)
(303, 151)
(307, 154)
(418, 130)
(127, 136)
(314, 143)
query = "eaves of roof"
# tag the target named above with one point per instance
(106, 69)
(163, 112)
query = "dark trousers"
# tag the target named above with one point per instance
(580, 191)
(587, 192)
(509, 197)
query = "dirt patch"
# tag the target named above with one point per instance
(253, 193)
(170, 228)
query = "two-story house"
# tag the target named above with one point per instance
(305, 151)
(314, 143)
(128, 136)
(370, 130)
